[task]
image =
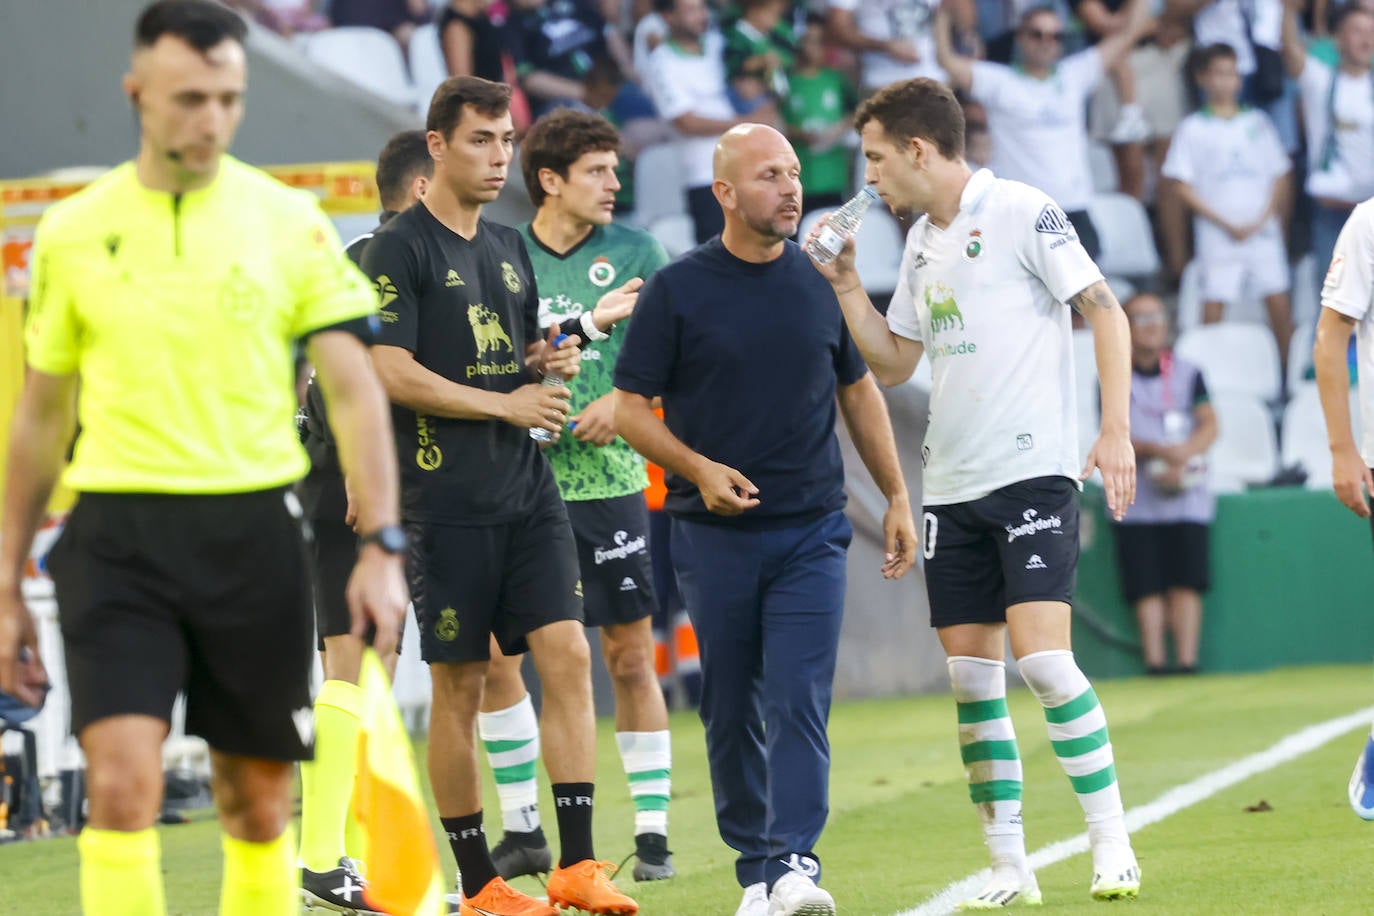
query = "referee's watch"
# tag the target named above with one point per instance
(391, 538)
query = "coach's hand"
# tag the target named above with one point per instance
(377, 598)
(724, 490)
(595, 422)
(1352, 480)
(537, 405)
(899, 537)
(1113, 455)
(21, 670)
(565, 359)
(616, 305)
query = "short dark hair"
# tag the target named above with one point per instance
(917, 108)
(1034, 11)
(559, 139)
(1204, 56)
(200, 23)
(457, 92)
(1342, 13)
(663, 7)
(604, 71)
(404, 156)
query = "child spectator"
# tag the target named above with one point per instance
(759, 50)
(818, 110)
(1232, 172)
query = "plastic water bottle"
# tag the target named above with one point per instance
(842, 224)
(539, 433)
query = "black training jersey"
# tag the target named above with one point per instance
(467, 310)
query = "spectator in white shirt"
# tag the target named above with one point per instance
(1037, 109)
(1232, 172)
(894, 38)
(1338, 117)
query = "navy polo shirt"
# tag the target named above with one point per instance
(747, 358)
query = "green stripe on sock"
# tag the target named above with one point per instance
(1093, 782)
(995, 790)
(646, 775)
(651, 802)
(1080, 705)
(989, 750)
(1076, 747)
(520, 772)
(982, 710)
(501, 747)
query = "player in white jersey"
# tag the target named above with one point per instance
(1346, 301)
(984, 280)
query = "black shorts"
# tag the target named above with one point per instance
(1016, 544)
(333, 553)
(469, 582)
(208, 594)
(613, 552)
(1155, 558)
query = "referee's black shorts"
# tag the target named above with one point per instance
(206, 594)
(1153, 558)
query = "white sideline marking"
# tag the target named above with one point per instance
(1171, 802)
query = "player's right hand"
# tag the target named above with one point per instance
(22, 675)
(533, 405)
(726, 491)
(377, 598)
(1351, 478)
(840, 272)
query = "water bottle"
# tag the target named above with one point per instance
(842, 224)
(539, 433)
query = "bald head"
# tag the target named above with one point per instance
(745, 146)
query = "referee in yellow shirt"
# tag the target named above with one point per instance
(173, 289)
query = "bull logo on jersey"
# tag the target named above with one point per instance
(944, 311)
(486, 330)
(510, 277)
(602, 272)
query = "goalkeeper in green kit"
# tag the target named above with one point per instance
(589, 271)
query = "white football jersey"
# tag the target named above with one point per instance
(986, 296)
(1348, 289)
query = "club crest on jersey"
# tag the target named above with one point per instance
(602, 272)
(510, 277)
(974, 247)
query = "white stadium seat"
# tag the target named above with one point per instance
(1306, 295)
(1103, 166)
(1239, 358)
(1123, 227)
(659, 190)
(1300, 353)
(675, 232)
(1246, 450)
(427, 66)
(368, 57)
(878, 251)
(1303, 440)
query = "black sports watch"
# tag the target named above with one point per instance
(391, 538)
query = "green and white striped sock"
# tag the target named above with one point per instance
(648, 760)
(987, 744)
(1078, 732)
(511, 739)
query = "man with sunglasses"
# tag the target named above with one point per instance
(1037, 109)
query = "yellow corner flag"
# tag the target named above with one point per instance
(403, 875)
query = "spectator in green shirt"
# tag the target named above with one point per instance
(760, 47)
(818, 111)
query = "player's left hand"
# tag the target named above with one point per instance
(1113, 455)
(616, 305)
(595, 422)
(899, 537)
(377, 597)
(565, 359)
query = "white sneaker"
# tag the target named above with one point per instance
(755, 901)
(1131, 125)
(1361, 783)
(1008, 887)
(794, 894)
(1116, 875)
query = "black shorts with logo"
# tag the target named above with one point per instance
(613, 552)
(1017, 544)
(1153, 558)
(207, 594)
(470, 582)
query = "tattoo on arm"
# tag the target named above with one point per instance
(1099, 295)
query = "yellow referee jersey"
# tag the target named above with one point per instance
(179, 314)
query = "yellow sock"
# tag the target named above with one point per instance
(259, 878)
(327, 781)
(121, 873)
(355, 839)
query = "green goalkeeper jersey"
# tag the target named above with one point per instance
(570, 284)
